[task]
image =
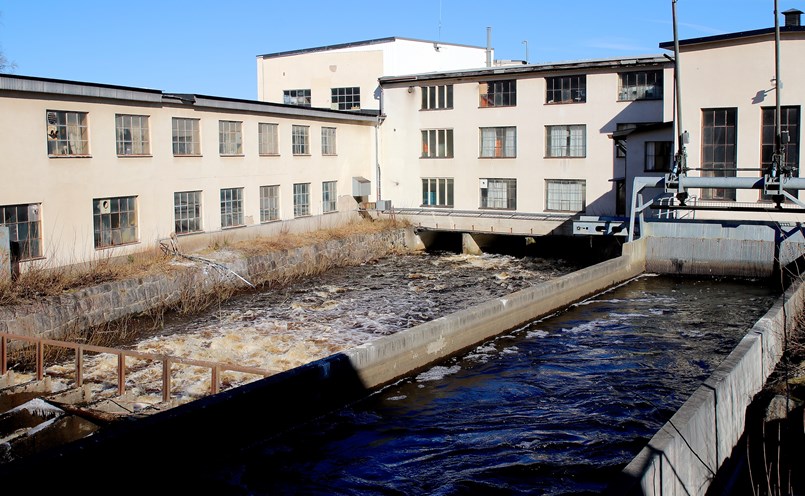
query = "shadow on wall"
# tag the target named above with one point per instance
(196, 434)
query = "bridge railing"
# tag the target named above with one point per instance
(216, 368)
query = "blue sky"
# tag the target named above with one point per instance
(210, 48)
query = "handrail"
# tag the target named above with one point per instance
(167, 360)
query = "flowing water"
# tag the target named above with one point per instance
(556, 407)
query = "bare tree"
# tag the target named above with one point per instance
(5, 64)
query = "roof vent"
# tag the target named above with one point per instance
(792, 17)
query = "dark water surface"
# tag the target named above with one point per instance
(556, 407)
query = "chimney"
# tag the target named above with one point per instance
(792, 17)
(489, 47)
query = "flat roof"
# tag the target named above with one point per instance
(610, 63)
(669, 45)
(351, 44)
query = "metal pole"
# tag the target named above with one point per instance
(778, 133)
(525, 42)
(680, 165)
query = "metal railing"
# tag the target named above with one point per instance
(167, 361)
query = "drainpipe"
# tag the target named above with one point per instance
(377, 156)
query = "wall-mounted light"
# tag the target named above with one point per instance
(410, 89)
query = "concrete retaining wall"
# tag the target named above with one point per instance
(683, 457)
(98, 305)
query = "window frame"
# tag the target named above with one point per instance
(66, 130)
(501, 148)
(231, 202)
(301, 200)
(115, 215)
(632, 91)
(230, 138)
(438, 192)
(437, 97)
(269, 203)
(300, 140)
(18, 219)
(580, 201)
(300, 97)
(436, 143)
(497, 93)
(268, 139)
(346, 98)
(570, 149)
(710, 149)
(510, 193)
(329, 196)
(652, 159)
(194, 131)
(138, 142)
(187, 212)
(328, 141)
(575, 86)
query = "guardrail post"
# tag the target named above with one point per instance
(121, 374)
(214, 385)
(166, 379)
(3, 357)
(40, 360)
(79, 366)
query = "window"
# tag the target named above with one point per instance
(437, 143)
(789, 122)
(300, 140)
(132, 135)
(499, 193)
(498, 93)
(345, 98)
(68, 134)
(437, 97)
(718, 149)
(659, 156)
(24, 227)
(329, 196)
(566, 89)
(498, 142)
(644, 85)
(328, 141)
(231, 207)
(187, 212)
(565, 195)
(268, 136)
(269, 203)
(301, 199)
(621, 139)
(566, 141)
(296, 97)
(115, 221)
(186, 139)
(437, 192)
(230, 138)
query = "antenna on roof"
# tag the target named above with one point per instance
(439, 36)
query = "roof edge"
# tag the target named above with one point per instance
(351, 44)
(669, 45)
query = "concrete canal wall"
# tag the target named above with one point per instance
(684, 456)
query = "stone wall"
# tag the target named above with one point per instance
(56, 317)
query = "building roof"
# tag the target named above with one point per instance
(79, 89)
(669, 45)
(611, 63)
(352, 44)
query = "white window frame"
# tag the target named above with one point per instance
(186, 137)
(498, 193)
(437, 143)
(231, 207)
(566, 141)
(498, 142)
(437, 97)
(67, 133)
(230, 138)
(187, 212)
(301, 199)
(438, 192)
(268, 138)
(114, 221)
(300, 139)
(329, 196)
(270, 203)
(24, 224)
(328, 135)
(132, 135)
(565, 195)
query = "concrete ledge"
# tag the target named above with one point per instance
(684, 456)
